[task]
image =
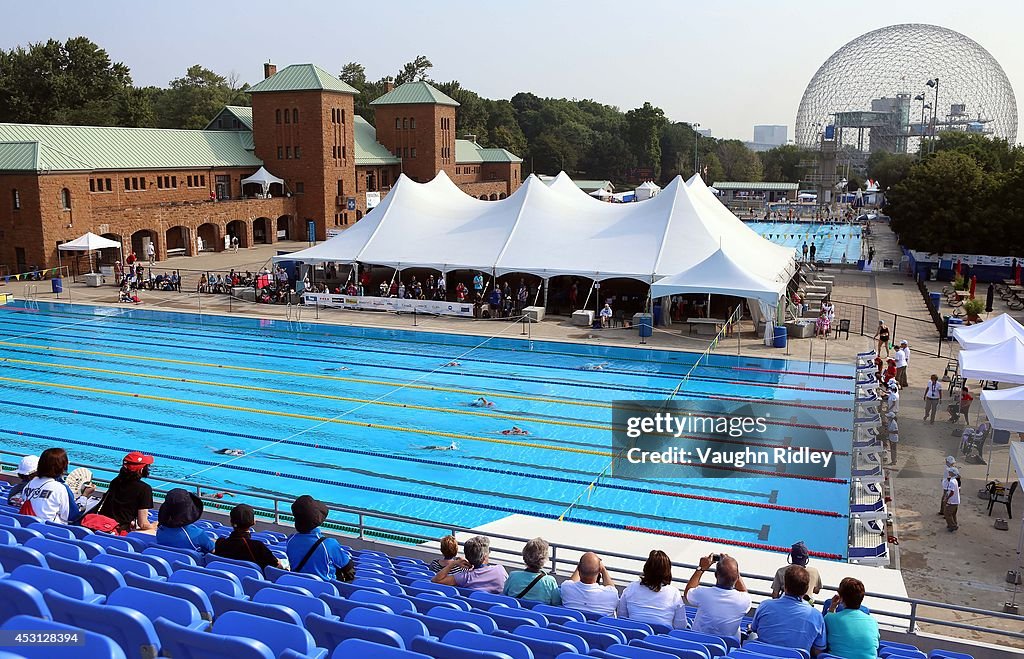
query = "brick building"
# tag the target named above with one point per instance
(183, 190)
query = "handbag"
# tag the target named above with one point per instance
(102, 523)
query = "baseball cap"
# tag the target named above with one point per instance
(137, 461)
(799, 555)
(950, 461)
(28, 465)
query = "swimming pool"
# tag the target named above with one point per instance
(347, 414)
(833, 241)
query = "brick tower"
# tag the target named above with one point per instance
(416, 122)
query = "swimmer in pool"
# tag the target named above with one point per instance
(236, 452)
(452, 364)
(336, 368)
(594, 367)
(515, 430)
(451, 447)
(481, 402)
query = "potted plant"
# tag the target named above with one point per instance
(973, 309)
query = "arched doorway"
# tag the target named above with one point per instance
(109, 255)
(483, 197)
(261, 230)
(237, 229)
(502, 195)
(177, 241)
(209, 234)
(493, 197)
(140, 240)
(284, 227)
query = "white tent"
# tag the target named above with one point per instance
(720, 274)
(990, 332)
(87, 243)
(1002, 362)
(646, 190)
(1004, 408)
(264, 179)
(601, 193)
(548, 231)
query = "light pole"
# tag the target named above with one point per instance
(934, 83)
(696, 136)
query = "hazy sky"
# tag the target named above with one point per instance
(727, 65)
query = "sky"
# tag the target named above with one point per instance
(726, 65)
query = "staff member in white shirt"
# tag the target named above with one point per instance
(932, 398)
(892, 436)
(590, 588)
(46, 497)
(653, 599)
(950, 464)
(720, 608)
(951, 499)
(902, 362)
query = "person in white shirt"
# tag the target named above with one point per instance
(151, 253)
(46, 497)
(951, 499)
(950, 464)
(720, 608)
(892, 436)
(902, 362)
(932, 398)
(590, 588)
(893, 400)
(653, 599)
(606, 315)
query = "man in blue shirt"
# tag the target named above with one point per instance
(309, 551)
(790, 621)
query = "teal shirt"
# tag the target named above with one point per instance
(852, 634)
(545, 590)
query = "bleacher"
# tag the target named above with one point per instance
(130, 597)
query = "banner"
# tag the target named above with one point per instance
(372, 199)
(394, 304)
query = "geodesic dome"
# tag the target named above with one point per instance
(900, 59)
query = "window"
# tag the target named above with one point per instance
(341, 187)
(287, 117)
(92, 185)
(142, 183)
(277, 116)
(135, 183)
(127, 183)
(280, 153)
(458, 170)
(405, 152)
(342, 116)
(295, 115)
(300, 187)
(344, 153)
(174, 181)
(398, 123)
(412, 153)
(287, 153)
(405, 123)
(15, 200)
(412, 123)
(202, 181)
(107, 185)
(298, 152)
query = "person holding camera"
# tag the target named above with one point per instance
(720, 608)
(590, 588)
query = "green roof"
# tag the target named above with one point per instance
(302, 77)
(415, 93)
(754, 185)
(368, 150)
(590, 185)
(240, 112)
(468, 152)
(76, 148)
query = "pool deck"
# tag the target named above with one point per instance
(966, 568)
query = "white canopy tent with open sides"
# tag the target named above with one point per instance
(1004, 408)
(89, 242)
(989, 333)
(264, 179)
(1002, 362)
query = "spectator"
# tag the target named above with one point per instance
(932, 398)
(590, 588)
(177, 517)
(789, 621)
(309, 551)
(653, 599)
(240, 545)
(798, 555)
(892, 436)
(719, 609)
(46, 497)
(951, 498)
(129, 498)
(852, 632)
(950, 464)
(477, 573)
(532, 584)
(26, 472)
(449, 550)
(606, 315)
(965, 404)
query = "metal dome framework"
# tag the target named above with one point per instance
(899, 59)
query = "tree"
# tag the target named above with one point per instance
(738, 162)
(643, 128)
(991, 153)
(889, 169)
(414, 70)
(195, 98)
(354, 74)
(783, 163)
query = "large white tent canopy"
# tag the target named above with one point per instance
(1002, 362)
(1004, 408)
(720, 273)
(989, 333)
(551, 230)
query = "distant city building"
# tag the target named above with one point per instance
(704, 132)
(773, 134)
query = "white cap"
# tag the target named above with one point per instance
(950, 461)
(28, 465)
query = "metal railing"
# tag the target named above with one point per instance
(360, 523)
(922, 335)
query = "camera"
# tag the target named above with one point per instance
(715, 558)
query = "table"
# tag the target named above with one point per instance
(713, 324)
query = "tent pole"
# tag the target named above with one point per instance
(60, 268)
(545, 284)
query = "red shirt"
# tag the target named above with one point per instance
(965, 400)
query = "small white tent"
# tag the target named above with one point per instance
(720, 274)
(1002, 362)
(88, 243)
(264, 179)
(601, 193)
(989, 333)
(1004, 408)
(646, 190)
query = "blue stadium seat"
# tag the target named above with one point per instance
(22, 534)
(223, 603)
(405, 627)
(427, 584)
(506, 620)
(416, 590)
(24, 520)
(78, 532)
(90, 549)
(158, 605)
(147, 539)
(676, 646)
(540, 647)
(486, 624)
(948, 654)
(635, 652)
(559, 614)
(95, 646)
(207, 580)
(158, 563)
(630, 628)
(340, 606)
(779, 651)
(716, 645)
(524, 614)
(308, 581)
(396, 604)
(182, 591)
(129, 629)
(424, 603)
(492, 597)
(278, 636)
(356, 648)
(7, 520)
(346, 589)
(184, 643)
(388, 587)
(576, 642)
(899, 653)
(252, 586)
(301, 604)
(597, 637)
(124, 565)
(103, 578)
(238, 568)
(47, 546)
(18, 598)
(470, 641)
(173, 555)
(441, 650)
(272, 573)
(49, 530)
(12, 556)
(438, 627)
(7, 538)
(65, 584)
(329, 633)
(111, 542)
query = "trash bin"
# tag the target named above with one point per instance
(936, 299)
(860, 264)
(57, 285)
(780, 337)
(949, 325)
(645, 327)
(657, 314)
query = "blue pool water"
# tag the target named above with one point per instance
(833, 241)
(345, 413)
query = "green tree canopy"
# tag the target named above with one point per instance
(783, 163)
(195, 98)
